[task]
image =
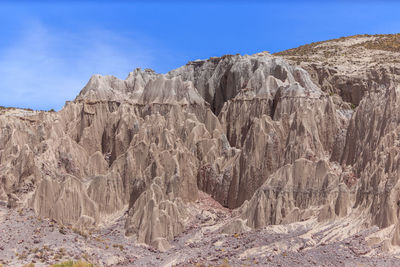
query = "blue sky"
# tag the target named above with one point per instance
(48, 51)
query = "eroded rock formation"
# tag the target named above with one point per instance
(257, 133)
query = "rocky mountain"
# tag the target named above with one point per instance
(308, 137)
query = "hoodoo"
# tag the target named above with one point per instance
(303, 144)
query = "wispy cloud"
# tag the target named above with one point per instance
(45, 67)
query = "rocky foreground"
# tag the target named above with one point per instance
(287, 159)
(27, 239)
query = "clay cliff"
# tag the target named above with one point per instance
(308, 133)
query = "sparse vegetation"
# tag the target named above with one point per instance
(21, 256)
(73, 264)
(85, 256)
(34, 250)
(389, 42)
(11, 108)
(385, 42)
(60, 254)
(98, 239)
(121, 247)
(80, 232)
(62, 230)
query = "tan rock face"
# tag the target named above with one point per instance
(100, 154)
(255, 132)
(300, 122)
(288, 194)
(375, 155)
(156, 218)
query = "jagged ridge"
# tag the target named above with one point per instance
(255, 132)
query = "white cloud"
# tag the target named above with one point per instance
(46, 67)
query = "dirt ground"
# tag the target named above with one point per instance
(27, 239)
